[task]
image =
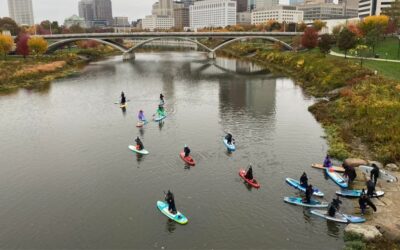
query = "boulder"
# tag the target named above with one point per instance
(354, 162)
(367, 232)
(390, 231)
(380, 165)
(392, 167)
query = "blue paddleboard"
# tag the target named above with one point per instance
(299, 202)
(178, 217)
(296, 184)
(337, 178)
(230, 147)
(160, 118)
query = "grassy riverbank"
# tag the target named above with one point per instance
(362, 116)
(39, 72)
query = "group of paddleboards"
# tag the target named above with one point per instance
(343, 181)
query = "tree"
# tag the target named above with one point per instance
(371, 39)
(296, 42)
(22, 44)
(346, 40)
(374, 25)
(9, 24)
(301, 27)
(318, 25)
(37, 45)
(310, 38)
(325, 43)
(393, 12)
(76, 29)
(6, 44)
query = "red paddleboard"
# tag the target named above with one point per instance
(252, 183)
(189, 160)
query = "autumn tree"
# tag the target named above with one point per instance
(37, 45)
(9, 24)
(6, 44)
(318, 25)
(301, 27)
(22, 44)
(373, 28)
(310, 38)
(346, 40)
(325, 43)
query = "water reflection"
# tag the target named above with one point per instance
(170, 226)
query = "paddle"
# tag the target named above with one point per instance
(120, 103)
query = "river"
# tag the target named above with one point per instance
(68, 179)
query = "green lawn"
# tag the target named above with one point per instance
(388, 69)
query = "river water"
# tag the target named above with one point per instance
(68, 179)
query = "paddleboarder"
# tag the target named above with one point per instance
(139, 144)
(349, 173)
(229, 138)
(374, 173)
(370, 188)
(327, 161)
(160, 111)
(334, 206)
(141, 116)
(169, 198)
(123, 98)
(186, 149)
(304, 180)
(309, 192)
(249, 173)
(162, 102)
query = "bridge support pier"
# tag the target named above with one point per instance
(128, 56)
(212, 55)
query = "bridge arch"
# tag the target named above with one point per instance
(268, 38)
(131, 50)
(54, 46)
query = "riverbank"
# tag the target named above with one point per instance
(358, 109)
(39, 72)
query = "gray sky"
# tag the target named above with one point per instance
(58, 10)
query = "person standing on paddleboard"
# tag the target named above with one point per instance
(334, 206)
(304, 180)
(162, 102)
(229, 138)
(309, 192)
(327, 162)
(141, 116)
(169, 198)
(374, 173)
(123, 98)
(139, 144)
(186, 149)
(249, 174)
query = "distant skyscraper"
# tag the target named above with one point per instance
(297, 2)
(86, 10)
(21, 11)
(266, 4)
(103, 10)
(251, 5)
(241, 5)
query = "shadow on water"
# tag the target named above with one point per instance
(123, 111)
(141, 131)
(170, 226)
(139, 158)
(161, 124)
(333, 228)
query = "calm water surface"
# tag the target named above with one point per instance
(68, 179)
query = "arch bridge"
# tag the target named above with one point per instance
(109, 39)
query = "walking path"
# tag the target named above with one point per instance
(366, 58)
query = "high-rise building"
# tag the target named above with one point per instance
(251, 5)
(325, 11)
(121, 21)
(187, 3)
(241, 5)
(266, 4)
(349, 3)
(281, 13)
(21, 11)
(297, 2)
(181, 17)
(86, 9)
(154, 22)
(103, 10)
(212, 13)
(163, 8)
(372, 7)
(243, 18)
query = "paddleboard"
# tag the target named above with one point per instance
(299, 202)
(178, 217)
(354, 219)
(252, 183)
(383, 174)
(230, 147)
(324, 214)
(321, 166)
(143, 152)
(159, 118)
(337, 178)
(189, 160)
(296, 184)
(141, 124)
(356, 193)
(123, 105)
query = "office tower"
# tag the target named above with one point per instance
(212, 13)
(86, 10)
(21, 11)
(103, 10)
(181, 17)
(241, 5)
(266, 4)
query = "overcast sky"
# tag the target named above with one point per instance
(58, 10)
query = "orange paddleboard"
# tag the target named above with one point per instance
(321, 166)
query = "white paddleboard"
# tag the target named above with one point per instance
(383, 174)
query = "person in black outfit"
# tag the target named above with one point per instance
(186, 149)
(309, 192)
(249, 174)
(228, 138)
(139, 144)
(334, 206)
(370, 188)
(350, 173)
(363, 201)
(169, 198)
(123, 99)
(374, 173)
(304, 180)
